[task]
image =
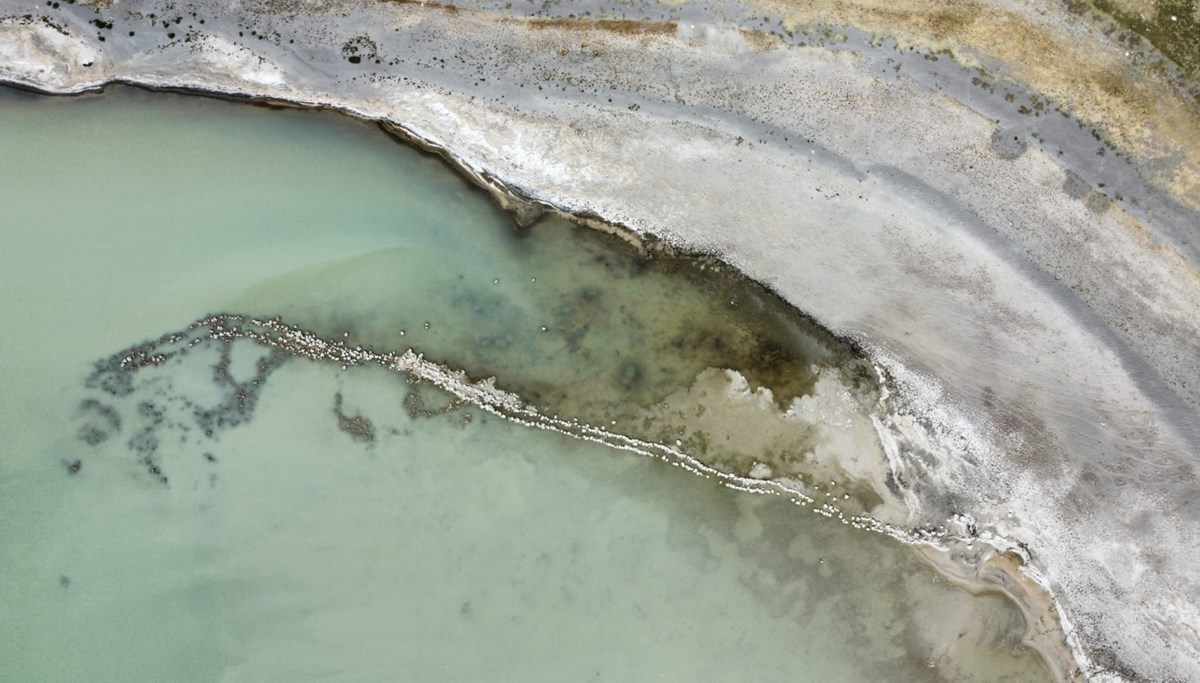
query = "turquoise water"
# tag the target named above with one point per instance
(240, 513)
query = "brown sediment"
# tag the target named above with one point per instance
(760, 41)
(1005, 572)
(1172, 27)
(443, 6)
(619, 26)
(629, 27)
(1136, 108)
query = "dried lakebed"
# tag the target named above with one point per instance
(252, 500)
(996, 200)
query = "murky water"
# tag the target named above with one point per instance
(239, 512)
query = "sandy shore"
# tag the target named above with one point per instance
(1010, 238)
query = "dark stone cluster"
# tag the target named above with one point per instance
(241, 398)
(136, 392)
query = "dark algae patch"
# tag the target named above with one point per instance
(578, 322)
(135, 388)
(1173, 29)
(356, 426)
(98, 422)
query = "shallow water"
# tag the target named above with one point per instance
(239, 513)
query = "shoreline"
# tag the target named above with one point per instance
(1001, 573)
(875, 342)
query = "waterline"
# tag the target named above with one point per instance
(241, 512)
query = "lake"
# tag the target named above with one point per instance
(232, 508)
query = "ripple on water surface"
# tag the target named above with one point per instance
(238, 511)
